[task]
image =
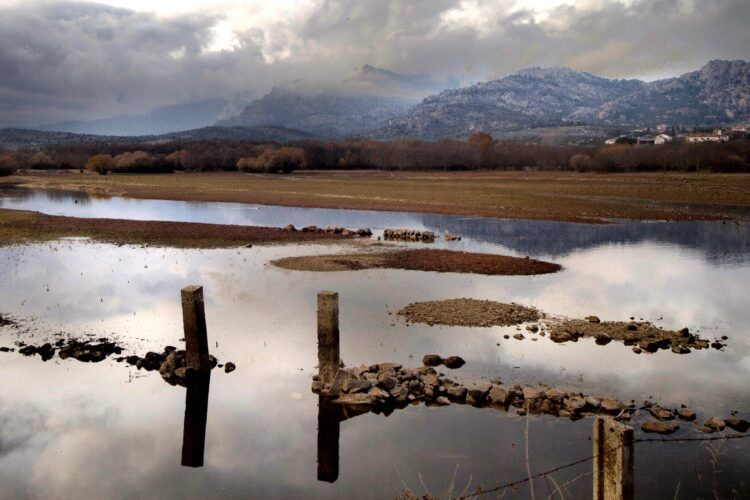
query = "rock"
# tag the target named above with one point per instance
(637, 349)
(519, 336)
(499, 396)
(661, 413)
(686, 414)
(593, 319)
(358, 399)
(659, 427)
(442, 401)
(479, 391)
(737, 424)
(531, 393)
(593, 402)
(533, 328)
(717, 345)
(386, 381)
(632, 327)
(611, 405)
(457, 392)
(602, 338)
(680, 349)
(454, 362)
(575, 404)
(560, 336)
(377, 393)
(715, 423)
(648, 345)
(432, 360)
(382, 367)
(290, 227)
(354, 385)
(556, 395)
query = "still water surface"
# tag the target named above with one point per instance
(69, 429)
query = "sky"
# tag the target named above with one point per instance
(63, 60)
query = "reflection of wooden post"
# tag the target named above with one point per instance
(196, 413)
(328, 441)
(613, 463)
(328, 336)
(194, 324)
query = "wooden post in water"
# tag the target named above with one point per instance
(328, 336)
(194, 324)
(613, 462)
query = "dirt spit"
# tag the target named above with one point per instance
(17, 226)
(468, 312)
(443, 261)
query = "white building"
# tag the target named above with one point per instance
(663, 139)
(707, 137)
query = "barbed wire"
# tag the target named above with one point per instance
(587, 459)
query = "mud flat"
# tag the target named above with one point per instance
(443, 261)
(644, 336)
(468, 312)
(18, 227)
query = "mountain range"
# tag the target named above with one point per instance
(381, 104)
(719, 93)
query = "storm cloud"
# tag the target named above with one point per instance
(74, 60)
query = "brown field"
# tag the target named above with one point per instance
(531, 195)
(18, 226)
(423, 259)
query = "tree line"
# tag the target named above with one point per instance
(480, 151)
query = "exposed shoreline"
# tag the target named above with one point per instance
(556, 196)
(23, 227)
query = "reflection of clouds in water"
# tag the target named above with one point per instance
(263, 318)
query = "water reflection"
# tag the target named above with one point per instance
(718, 241)
(329, 421)
(196, 414)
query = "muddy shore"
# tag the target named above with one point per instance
(443, 261)
(18, 227)
(561, 196)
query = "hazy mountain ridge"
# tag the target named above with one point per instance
(16, 138)
(162, 120)
(327, 115)
(537, 97)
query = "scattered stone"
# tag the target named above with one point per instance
(593, 319)
(518, 336)
(561, 336)
(533, 328)
(715, 423)
(686, 414)
(432, 360)
(454, 362)
(737, 424)
(602, 338)
(499, 396)
(611, 405)
(637, 349)
(290, 227)
(479, 391)
(409, 235)
(680, 349)
(229, 367)
(661, 413)
(659, 427)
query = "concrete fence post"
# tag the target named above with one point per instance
(328, 336)
(196, 414)
(613, 462)
(194, 324)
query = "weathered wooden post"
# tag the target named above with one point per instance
(328, 440)
(328, 337)
(194, 324)
(613, 462)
